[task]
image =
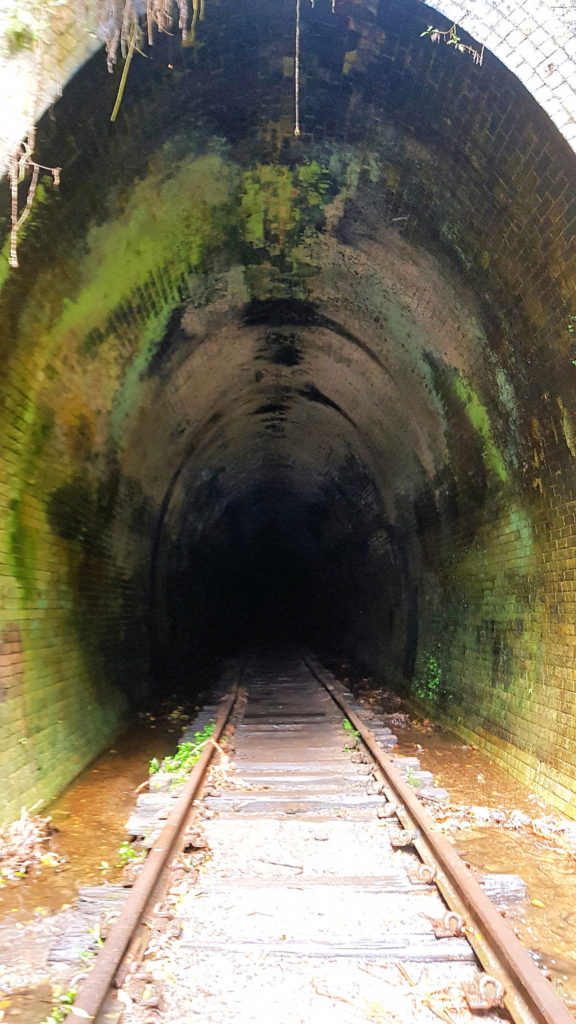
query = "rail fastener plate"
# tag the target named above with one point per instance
(404, 837)
(451, 925)
(484, 993)
(424, 874)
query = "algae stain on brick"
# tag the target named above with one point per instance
(277, 203)
(480, 420)
(167, 223)
(568, 428)
(22, 535)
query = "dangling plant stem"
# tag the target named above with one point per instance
(19, 164)
(17, 221)
(195, 13)
(124, 21)
(183, 14)
(451, 38)
(125, 71)
(297, 72)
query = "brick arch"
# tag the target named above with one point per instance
(535, 41)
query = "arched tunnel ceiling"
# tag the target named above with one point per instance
(536, 41)
(296, 383)
(322, 383)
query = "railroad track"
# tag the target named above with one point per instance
(328, 890)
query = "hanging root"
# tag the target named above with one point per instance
(297, 72)
(18, 167)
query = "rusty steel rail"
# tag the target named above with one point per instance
(92, 994)
(527, 995)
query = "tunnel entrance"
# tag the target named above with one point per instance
(317, 387)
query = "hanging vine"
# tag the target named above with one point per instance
(124, 28)
(122, 24)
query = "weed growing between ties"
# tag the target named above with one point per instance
(61, 1008)
(128, 853)
(352, 733)
(171, 771)
(88, 955)
(181, 763)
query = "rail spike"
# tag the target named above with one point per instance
(451, 925)
(484, 993)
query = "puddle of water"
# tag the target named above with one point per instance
(30, 1005)
(90, 818)
(546, 922)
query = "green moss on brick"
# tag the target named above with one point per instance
(480, 420)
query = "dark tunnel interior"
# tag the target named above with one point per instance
(271, 548)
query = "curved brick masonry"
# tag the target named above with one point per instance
(42, 46)
(535, 40)
(321, 387)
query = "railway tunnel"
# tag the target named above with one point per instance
(316, 388)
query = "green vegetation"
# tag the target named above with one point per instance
(451, 38)
(62, 1006)
(428, 686)
(349, 728)
(19, 36)
(278, 203)
(188, 203)
(88, 955)
(411, 778)
(182, 762)
(480, 420)
(128, 853)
